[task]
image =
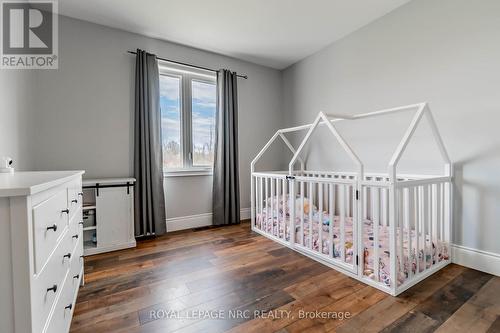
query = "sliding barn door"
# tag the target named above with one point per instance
(113, 215)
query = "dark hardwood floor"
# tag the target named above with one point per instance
(196, 281)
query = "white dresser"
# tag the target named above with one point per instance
(41, 248)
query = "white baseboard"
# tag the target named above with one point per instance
(245, 214)
(197, 221)
(481, 260)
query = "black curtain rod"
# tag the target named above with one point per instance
(189, 65)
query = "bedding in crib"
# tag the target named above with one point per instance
(277, 224)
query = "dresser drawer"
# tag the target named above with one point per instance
(77, 218)
(76, 269)
(47, 286)
(76, 234)
(50, 221)
(75, 198)
(63, 310)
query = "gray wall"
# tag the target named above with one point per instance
(15, 105)
(445, 52)
(84, 109)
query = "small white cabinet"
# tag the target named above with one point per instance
(108, 212)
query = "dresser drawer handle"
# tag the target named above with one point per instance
(68, 307)
(77, 276)
(53, 288)
(80, 194)
(67, 255)
(81, 222)
(75, 236)
(65, 211)
(53, 227)
(74, 201)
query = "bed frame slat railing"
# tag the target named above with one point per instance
(422, 215)
(272, 188)
(342, 213)
(376, 222)
(409, 225)
(302, 212)
(293, 210)
(266, 202)
(388, 230)
(331, 210)
(420, 223)
(283, 215)
(311, 203)
(320, 211)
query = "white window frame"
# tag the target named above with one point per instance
(187, 75)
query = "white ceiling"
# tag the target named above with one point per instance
(274, 33)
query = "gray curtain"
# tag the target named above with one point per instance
(226, 189)
(148, 154)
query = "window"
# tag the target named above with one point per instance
(170, 105)
(203, 122)
(188, 106)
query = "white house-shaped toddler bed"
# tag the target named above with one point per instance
(387, 230)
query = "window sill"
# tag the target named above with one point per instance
(188, 172)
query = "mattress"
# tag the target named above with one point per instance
(277, 224)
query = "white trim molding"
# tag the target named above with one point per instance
(245, 214)
(197, 220)
(477, 259)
